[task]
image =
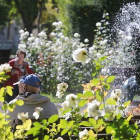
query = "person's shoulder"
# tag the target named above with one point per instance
(12, 60)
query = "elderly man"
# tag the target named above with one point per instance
(29, 87)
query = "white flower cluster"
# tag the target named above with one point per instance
(5, 67)
(58, 25)
(61, 88)
(93, 109)
(71, 101)
(83, 133)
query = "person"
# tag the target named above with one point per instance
(29, 87)
(130, 88)
(19, 68)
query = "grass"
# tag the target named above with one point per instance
(53, 98)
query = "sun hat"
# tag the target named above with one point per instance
(31, 80)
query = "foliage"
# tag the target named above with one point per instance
(80, 16)
(101, 114)
(4, 10)
(47, 65)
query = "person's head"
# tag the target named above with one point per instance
(21, 54)
(29, 83)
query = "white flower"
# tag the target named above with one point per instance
(64, 105)
(98, 24)
(129, 38)
(52, 34)
(36, 114)
(5, 67)
(71, 100)
(110, 109)
(115, 94)
(22, 116)
(76, 35)
(83, 133)
(21, 31)
(105, 70)
(98, 55)
(80, 55)
(118, 92)
(21, 46)
(42, 35)
(59, 138)
(93, 109)
(86, 40)
(59, 94)
(103, 42)
(62, 87)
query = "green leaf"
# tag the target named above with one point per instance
(70, 124)
(102, 58)
(118, 116)
(2, 91)
(37, 125)
(127, 103)
(92, 121)
(19, 102)
(95, 81)
(2, 99)
(85, 123)
(64, 131)
(9, 90)
(4, 107)
(106, 86)
(11, 107)
(46, 137)
(79, 95)
(110, 101)
(109, 130)
(88, 94)
(66, 111)
(63, 123)
(82, 103)
(101, 106)
(53, 118)
(110, 79)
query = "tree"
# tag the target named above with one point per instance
(4, 12)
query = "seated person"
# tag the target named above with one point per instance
(130, 89)
(29, 87)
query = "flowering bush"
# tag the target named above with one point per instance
(50, 57)
(100, 113)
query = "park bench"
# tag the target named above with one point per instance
(101, 135)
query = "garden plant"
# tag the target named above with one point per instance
(100, 113)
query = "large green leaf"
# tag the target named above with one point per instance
(85, 123)
(19, 102)
(110, 101)
(95, 81)
(9, 90)
(63, 123)
(53, 118)
(64, 131)
(92, 121)
(110, 79)
(88, 94)
(82, 103)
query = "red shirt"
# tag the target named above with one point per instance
(23, 70)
